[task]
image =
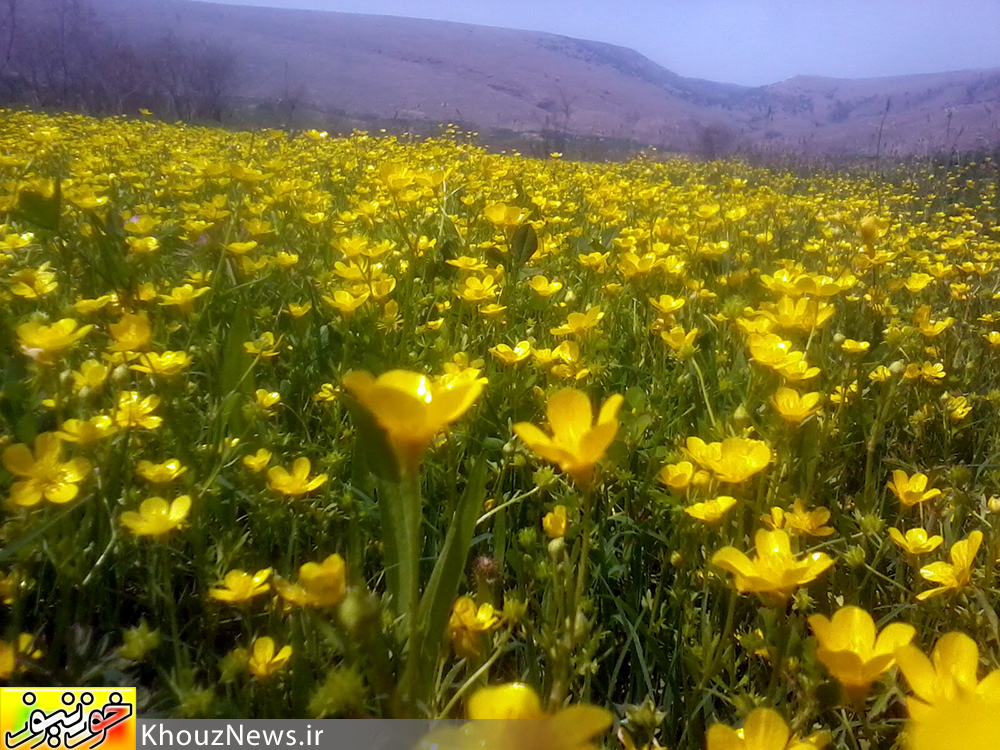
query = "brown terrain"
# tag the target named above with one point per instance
(530, 82)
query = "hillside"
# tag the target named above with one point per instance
(389, 67)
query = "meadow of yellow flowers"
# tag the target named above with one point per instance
(659, 453)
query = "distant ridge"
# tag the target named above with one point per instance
(529, 82)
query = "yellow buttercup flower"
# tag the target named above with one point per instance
(916, 541)
(239, 587)
(44, 343)
(794, 407)
(86, 431)
(161, 473)
(734, 460)
(132, 333)
(43, 474)
(577, 442)
(258, 461)
(411, 408)
(157, 517)
(296, 482)
(958, 573)
(325, 583)
(579, 324)
(775, 572)
(711, 511)
(265, 660)
(183, 297)
(555, 523)
(911, 489)
(136, 412)
(467, 624)
(853, 652)
(763, 729)
(951, 673)
(511, 356)
(165, 364)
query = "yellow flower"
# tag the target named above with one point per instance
(577, 442)
(681, 342)
(509, 356)
(570, 728)
(325, 583)
(466, 625)
(33, 283)
(975, 720)
(474, 289)
(799, 520)
(555, 523)
(504, 216)
(134, 411)
(264, 346)
(132, 333)
(91, 375)
(297, 310)
(44, 343)
(296, 482)
(239, 587)
(666, 304)
(775, 572)
(157, 517)
(957, 574)
(543, 287)
(84, 432)
(851, 650)
(682, 475)
(167, 364)
(734, 460)
(183, 297)
(44, 475)
(578, 324)
(264, 662)
(711, 511)
(793, 407)
(916, 541)
(346, 303)
(764, 729)
(160, 473)
(258, 460)
(850, 346)
(13, 653)
(412, 409)
(950, 674)
(265, 399)
(911, 490)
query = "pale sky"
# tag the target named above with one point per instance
(751, 42)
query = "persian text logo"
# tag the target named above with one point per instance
(67, 718)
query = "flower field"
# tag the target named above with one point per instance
(304, 426)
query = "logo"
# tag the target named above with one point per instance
(67, 718)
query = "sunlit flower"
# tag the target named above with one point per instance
(577, 442)
(775, 572)
(711, 511)
(555, 523)
(164, 364)
(239, 587)
(296, 482)
(44, 343)
(132, 333)
(411, 408)
(264, 660)
(183, 297)
(851, 650)
(43, 474)
(325, 583)
(734, 460)
(157, 517)
(911, 490)
(510, 356)
(763, 729)
(257, 461)
(795, 407)
(951, 673)
(161, 473)
(136, 412)
(87, 431)
(579, 324)
(916, 541)
(467, 624)
(954, 575)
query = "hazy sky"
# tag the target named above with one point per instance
(740, 41)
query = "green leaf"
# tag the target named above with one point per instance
(523, 244)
